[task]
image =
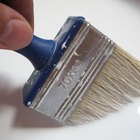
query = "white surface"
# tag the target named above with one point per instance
(120, 20)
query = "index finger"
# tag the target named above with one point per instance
(24, 7)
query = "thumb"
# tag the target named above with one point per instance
(15, 31)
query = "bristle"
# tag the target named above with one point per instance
(117, 84)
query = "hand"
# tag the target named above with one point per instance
(16, 23)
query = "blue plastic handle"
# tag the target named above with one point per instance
(39, 52)
(46, 54)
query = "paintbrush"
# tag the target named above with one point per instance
(80, 76)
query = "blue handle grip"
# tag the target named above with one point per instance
(47, 54)
(39, 52)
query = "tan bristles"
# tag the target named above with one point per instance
(117, 84)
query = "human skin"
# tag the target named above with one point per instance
(16, 23)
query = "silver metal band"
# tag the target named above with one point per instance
(73, 75)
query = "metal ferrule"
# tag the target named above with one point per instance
(74, 73)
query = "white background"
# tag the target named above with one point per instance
(120, 20)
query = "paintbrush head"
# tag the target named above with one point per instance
(117, 85)
(88, 77)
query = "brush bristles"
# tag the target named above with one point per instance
(117, 84)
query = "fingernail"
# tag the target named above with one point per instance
(16, 34)
(8, 30)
